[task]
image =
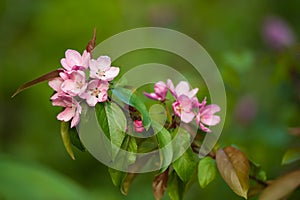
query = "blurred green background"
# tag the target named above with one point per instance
(262, 87)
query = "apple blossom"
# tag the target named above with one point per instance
(74, 60)
(182, 88)
(138, 126)
(96, 92)
(160, 92)
(206, 116)
(183, 108)
(101, 69)
(75, 84)
(72, 109)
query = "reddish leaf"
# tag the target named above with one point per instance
(159, 184)
(40, 79)
(234, 167)
(282, 187)
(92, 43)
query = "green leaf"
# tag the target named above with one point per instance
(64, 130)
(117, 177)
(40, 79)
(127, 183)
(121, 179)
(234, 167)
(100, 110)
(128, 97)
(148, 145)
(180, 142)
(257, 172)
(175, 187)
(113, 123)
(282, 187)
(131, 147)
(27, 181)
(185, 165)
(75, 140)
(165, 147)
(290, 156)
(206, 171)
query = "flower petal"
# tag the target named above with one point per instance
(152, 96)
(205, 129)
(182, 88)
(55, 84)
(192, 93)
(91, 101)
(103, 62)
(93, 64)
(86, 56)
(171, 88)
(111, 73)
(211, 109)
(73, 58)
(187, 117)
(66, 115)
(75, 119)
(65, 65)
(210, 120)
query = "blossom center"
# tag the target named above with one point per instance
(179, 109)
(79, 84)
(95, 92)
(100, 73)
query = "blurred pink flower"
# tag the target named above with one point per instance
(101, 69)
(246, 109)
(160, 92)
(138, 126)
(72, 109)
(183, 108)
(182, 88)
(206, 115)
(74, 61)
(75, 84)
(96, 92)
(277, 33)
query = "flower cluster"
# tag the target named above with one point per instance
(186, 104)
(72, 86)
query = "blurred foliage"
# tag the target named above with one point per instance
(262, 84)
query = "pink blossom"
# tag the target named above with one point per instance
(206, 116)
(75, 84)
(182, 88)
(183, 108)
(74, 61)
(96, 92)
(55, 84)
(138, 126)
(72, 109)
(101, 69)
(160, 92)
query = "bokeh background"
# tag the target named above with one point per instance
(260, 68)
